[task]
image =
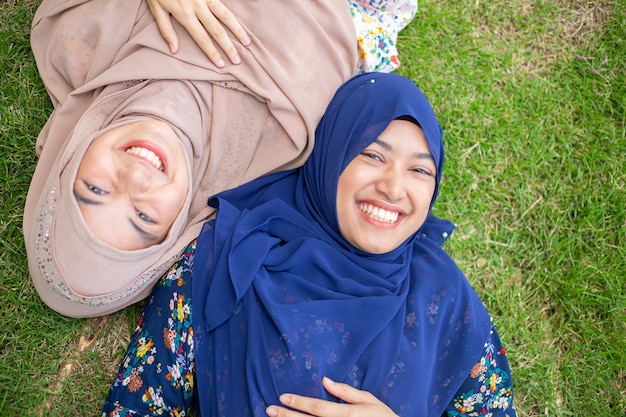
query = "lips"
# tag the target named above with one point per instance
(378, 213)
(151, 154)
(147, 155)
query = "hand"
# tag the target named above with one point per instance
(203, 19)
(358, 403)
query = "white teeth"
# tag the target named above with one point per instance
(378, 213)
(147, 155)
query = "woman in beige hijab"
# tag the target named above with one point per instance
(139, 138)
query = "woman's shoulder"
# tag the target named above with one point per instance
(436, 276)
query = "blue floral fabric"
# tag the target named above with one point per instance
(156, 377)
(488, 389)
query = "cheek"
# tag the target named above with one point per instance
(87, 163)
(422, 196)
(171, 202)
(96, 160)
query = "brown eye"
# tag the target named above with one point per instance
(372, 155)
(423, 171)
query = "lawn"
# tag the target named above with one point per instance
(532, 96)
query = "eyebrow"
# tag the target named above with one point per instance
(143, 234)
(417, 155)
(85, 200)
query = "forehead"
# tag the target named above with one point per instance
(404, 134)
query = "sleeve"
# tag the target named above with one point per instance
(488, 389)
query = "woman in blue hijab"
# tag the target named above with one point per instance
(330, 272)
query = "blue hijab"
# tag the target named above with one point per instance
(282, 299)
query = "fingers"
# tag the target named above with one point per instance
(229, 20)
(208, 23)
(357, 403)
(202, 32)
(347, 393)
(164, 22)
(304, 406)
(215, 20)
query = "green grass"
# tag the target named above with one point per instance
(532, 96)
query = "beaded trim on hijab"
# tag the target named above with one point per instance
(53, 278)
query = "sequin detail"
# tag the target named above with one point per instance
(48, 268)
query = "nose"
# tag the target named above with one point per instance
(133, 178)
(391, 185)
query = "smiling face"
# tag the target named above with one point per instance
(384, 194)
(131, 184)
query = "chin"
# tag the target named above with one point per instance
(376, 249)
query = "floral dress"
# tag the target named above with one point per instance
(156, 377)
(377, 23)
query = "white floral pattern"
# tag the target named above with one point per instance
(377, 24)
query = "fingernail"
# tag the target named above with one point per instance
(220, 63)
(246, 40)
(285, 399)
(271, 411)
(236, 59)
(329, 381)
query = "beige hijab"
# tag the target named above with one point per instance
(104, 64)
